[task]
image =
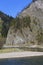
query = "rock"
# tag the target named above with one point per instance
(28, 37)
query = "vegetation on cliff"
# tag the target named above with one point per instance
(7, 22)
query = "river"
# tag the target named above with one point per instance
(38, 60)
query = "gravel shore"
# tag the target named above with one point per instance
(20, 54)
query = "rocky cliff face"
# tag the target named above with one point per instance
(35, 9)
(29, 37)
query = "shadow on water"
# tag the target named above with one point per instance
(23, 61)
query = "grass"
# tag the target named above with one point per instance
(7, 50)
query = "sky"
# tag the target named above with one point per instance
(13, 7)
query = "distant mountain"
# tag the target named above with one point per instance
(5, 24)
(5, 21)
(4, 16)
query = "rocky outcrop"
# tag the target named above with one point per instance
(28, 37)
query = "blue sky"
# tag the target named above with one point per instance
(13, 7)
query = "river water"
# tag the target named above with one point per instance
(23, 61)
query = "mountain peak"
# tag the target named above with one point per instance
(34, 0)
